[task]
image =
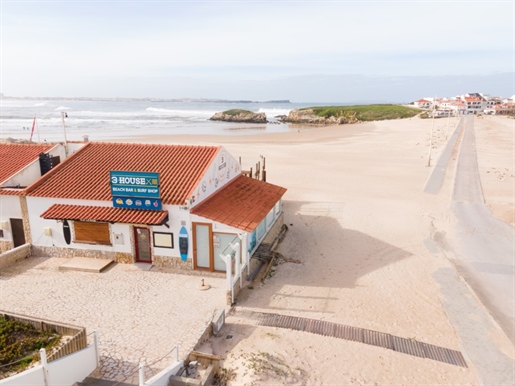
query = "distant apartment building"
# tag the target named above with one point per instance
(471, 103)
(423, 103)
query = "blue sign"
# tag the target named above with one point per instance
(134, 184)
(137, 203)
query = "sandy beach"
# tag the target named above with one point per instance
(380, 240)
(367, 237)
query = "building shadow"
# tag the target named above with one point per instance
(320, 252)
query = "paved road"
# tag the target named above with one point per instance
(485, 244)
(483, 251)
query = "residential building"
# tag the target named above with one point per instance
(20, 166)
(205, 208)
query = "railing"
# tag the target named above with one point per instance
(77, 342)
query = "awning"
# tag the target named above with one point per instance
(242, 204)
(105, 214)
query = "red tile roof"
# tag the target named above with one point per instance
(242, 204)
(15, 156)
(13, 191)
(85, 174)
(105, 214)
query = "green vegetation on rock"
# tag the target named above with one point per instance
(365, 112)
(20, 344)
(237, 111)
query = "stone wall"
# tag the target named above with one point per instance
(5, 245)
(119, 257)
(172, 262)
(25, 217)
(12, 256)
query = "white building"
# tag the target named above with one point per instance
(20, 166)
(208, 208)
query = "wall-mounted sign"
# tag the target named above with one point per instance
(137, 203)
(134, 184)
(135, 190)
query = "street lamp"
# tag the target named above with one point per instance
(64, 114)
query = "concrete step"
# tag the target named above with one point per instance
(101, 382)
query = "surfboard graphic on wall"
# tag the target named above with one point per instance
(183, 243)
(66, 232)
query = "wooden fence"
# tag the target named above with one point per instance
(77, 342)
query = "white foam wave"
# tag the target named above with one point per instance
(40, 104)
(62, 108)
(182, 113)
(272, 112)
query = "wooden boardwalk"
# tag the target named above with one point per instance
(356, 334)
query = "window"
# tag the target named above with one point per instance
(92, 232)
(163, 240)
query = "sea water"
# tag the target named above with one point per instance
(119, 119)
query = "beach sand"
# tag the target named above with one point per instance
(363, 231)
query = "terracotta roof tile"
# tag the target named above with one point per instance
(85, 175)
(15, 156)
(105, 214)
(242, 204)
(12, 192)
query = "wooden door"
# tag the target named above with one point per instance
(142, 245)
(17, 231)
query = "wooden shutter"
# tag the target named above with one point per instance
(92, 232)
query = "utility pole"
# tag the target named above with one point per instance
(431, 136)
(64, 115)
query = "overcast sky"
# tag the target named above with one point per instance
(305, 51)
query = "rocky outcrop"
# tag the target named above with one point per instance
(307, 116)
(242, 116)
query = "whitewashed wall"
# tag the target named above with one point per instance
(223, 169)
(37, 205)
(72, 368)
(32, 172)
(65, 371)
(9, 208)
(176, 216)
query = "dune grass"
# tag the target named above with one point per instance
(20, 344)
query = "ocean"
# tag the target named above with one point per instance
(119, 119)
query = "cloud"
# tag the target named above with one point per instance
(48, 47)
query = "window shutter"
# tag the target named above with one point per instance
(92, 232)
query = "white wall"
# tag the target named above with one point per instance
(33, 376)
(72, 368)
(176, 216)
(64, 371)
(9, 208)
(223, 169)
(161, 378)
(32, 172)
(37, 205)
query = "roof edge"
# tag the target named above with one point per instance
(203, 173)
(52, 171)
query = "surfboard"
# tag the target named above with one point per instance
(66, 232)
(183, 243)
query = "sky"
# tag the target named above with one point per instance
(304, 51)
